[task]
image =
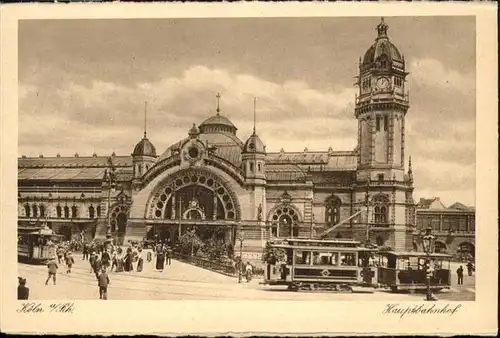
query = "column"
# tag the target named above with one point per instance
(440, 223)
(214, 217)
(174, 205)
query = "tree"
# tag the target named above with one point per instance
(271, 255)
(189, 242)
(215, 249)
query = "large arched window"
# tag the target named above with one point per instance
(381, 209)
(332, 210)
(439, 247)
(98, 211)
(59, 211)
(74, 211)
(27, 210)
(91, 212)
(119, 218)
(285, 222)
(66, 211)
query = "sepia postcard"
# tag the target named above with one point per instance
(249, 168)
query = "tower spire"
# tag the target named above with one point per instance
(382, 28)
(218, 103)
(254, 113)
(145, 117)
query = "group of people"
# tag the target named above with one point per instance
(460, 272)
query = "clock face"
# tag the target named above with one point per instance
(383, 83)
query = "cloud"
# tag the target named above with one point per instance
(432, 73)
(104, 109)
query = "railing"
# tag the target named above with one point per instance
(223, 268)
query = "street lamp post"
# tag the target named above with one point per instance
(109, 177)
(240, 238)
(427, 241)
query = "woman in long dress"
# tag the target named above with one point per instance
(140, 261)
(160, 260)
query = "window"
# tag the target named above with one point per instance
(284, 222)
(74, 211)
(251, 167)
(386, 123)
(303, 257)
(325, 258)
(59, 211)
(378, 123)
(446, 223)
(66, 211)
(139, 169)
(380, 177)
(332, 210)
(98, 211)
(381, 209)
(472, 223)
(348, 259)
(462, 224)
(259, 167)
(27, 210)
(42, 211)
(91, 212)
(35, 210)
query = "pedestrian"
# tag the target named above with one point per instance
(105, 258)
(69, 261)
(460, 275)
(140, 261)
(103, 282)
(470, 268)
(52, 270)
(149, 256)
(92, 260)
(23, 292)
(97, 267)
(85, 251)
(60, 254)
(248, 271)
(169, 256)
(160, 260)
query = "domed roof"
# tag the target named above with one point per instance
(144, 148)
(382, 46)
(254, 145)
(218, 121)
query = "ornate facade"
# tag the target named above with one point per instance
(212, 179)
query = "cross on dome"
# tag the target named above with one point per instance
(218, 103)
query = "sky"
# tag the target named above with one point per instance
(83, 84)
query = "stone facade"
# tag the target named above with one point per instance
(212, 179)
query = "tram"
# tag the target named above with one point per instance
(37, 246)
(315, 264)
(408, 271)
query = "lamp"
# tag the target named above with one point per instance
(428, 244)
(241, 239)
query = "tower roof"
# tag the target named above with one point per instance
(254, 145)
(382, 46)
(144, 148)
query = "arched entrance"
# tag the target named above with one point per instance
(466, 250)
(119, 218)
(193, 199)
(66, 232)
(440, 247)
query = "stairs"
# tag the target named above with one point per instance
(135, 232)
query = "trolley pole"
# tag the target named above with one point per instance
(110, 180)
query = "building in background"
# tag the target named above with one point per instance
(454, 226)
(213, 182)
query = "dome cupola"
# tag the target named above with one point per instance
(383, 53)
(254, 145)
(217, 123)
(144, 148)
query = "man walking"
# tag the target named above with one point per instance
(85, 251)
(103, 282)
(460, 275)
(52, 270)
(169, 256)
(470, 268)
(69, 261)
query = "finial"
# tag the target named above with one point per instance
(145, 116)
(254, 114)
(382, 28)
(218, 103)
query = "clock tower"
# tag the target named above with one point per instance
(381, 106)
(382, 187)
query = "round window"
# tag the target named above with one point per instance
(193, 152)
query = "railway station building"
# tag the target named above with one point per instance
(211, 179)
